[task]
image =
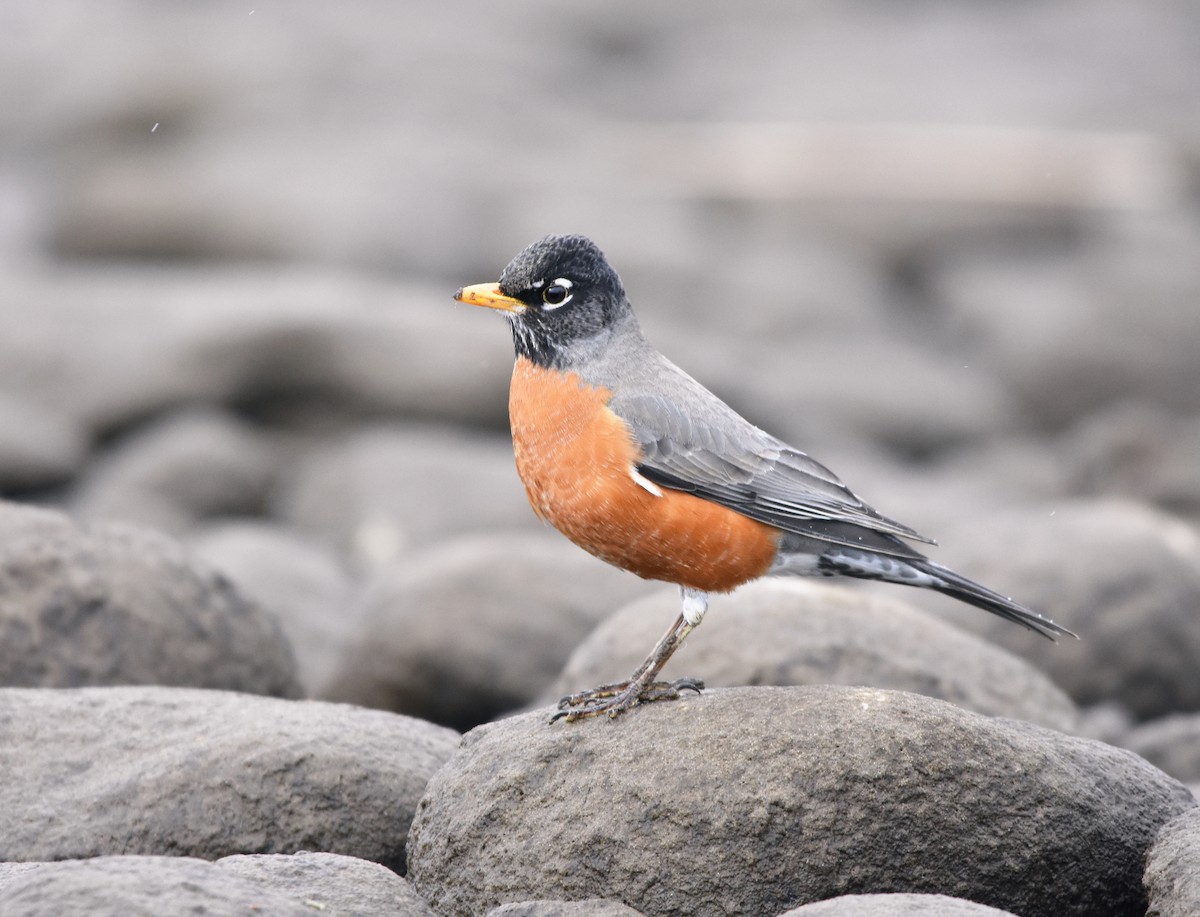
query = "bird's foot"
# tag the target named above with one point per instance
(614, 700)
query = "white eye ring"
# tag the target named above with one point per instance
(551, 292)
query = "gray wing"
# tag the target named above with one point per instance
(714, 453)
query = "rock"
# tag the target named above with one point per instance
(1171, 743)
(1124, 577)
(39, 447)
(331, 884)
(316, 344)
(300, 583)
(477, 626)
(1173, 868)
(592, 907)
(296, 884)
(888, 390)
(1057, 324)
(385, 490)
(803, 632)
(899, 905)
(787, 796)
(140, 887)
(1109, 723)
(99, 771)
(114, 604)
(187, 467)
(1136, 450)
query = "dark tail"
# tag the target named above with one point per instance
(929, 575)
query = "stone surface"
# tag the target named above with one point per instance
(1138, 450)
(140, 887)
(332, 884)
(318, 344)
(1171, 743)
(1173, 868)
(898, 905)
(296, 884)
(38, 446)
(301, 583)
(801, 632)
(114, 604)
(99, 771)
(593, 907)
(925, 404)
(788, 795)
(1109, 723)
(390, 489)
(1124, 577)
(190, 466)
(1061, 330)
(476, 626)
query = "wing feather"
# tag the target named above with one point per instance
(716, 454)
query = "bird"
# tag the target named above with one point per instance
(642, 466)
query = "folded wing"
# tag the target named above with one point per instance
(714, 453)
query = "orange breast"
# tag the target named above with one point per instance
(577, 460)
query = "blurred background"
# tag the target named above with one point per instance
(950, 249)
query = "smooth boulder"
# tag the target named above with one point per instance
(110, 604)
(98, 771)
(754, 800)
(280, 885)
(1173, 868)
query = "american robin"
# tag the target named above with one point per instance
(639, 464)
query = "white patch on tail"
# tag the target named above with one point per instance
(880, 566)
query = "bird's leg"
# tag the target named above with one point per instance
(641, 687)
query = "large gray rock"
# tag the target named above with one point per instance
(887, 390)
(300, 582)
(1124, 577)
(897, 905)
(332, 884)
(753, 800)
(191, 465)
(593, 907)
(1173, 868)
(1137, 450)
(1060, 328)
(99, 771)
(476, 626)
(803, 632)
(386, 490)
(38, 445)
(296, 884)
(113, 604)
(140, 887)
(1172, 743)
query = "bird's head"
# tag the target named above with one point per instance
(561, 297)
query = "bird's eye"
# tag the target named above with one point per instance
(557, 293)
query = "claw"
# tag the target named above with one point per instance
(614, 700)
(585, 697)
(688, 684)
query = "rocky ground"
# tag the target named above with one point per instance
(278, 631)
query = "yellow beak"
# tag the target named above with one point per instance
(488, 294)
